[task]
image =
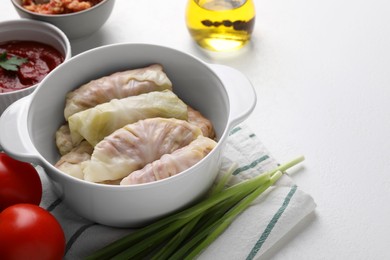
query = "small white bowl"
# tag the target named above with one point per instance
(74, 25)
(30, 30)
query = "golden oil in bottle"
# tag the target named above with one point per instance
(220, 25)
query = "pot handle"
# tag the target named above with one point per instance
(14, 137)
(242, 95)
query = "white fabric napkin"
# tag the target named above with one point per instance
(250, 236)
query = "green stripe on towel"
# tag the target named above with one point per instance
(76, 235)
(251, 165)
(234, 130)
(271, 224)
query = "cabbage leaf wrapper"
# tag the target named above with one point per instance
(100, 121)
(116, 86)
(132, 147)
(171, 164)
(63, 139)
(71, 163)
(196, 118)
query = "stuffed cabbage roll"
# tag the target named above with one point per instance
(132, 147)
(196, 118)
(172, 164)
(71, 163)
(116, 86)
(95, 123)
(64, 139)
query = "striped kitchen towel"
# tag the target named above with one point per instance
(250, 236)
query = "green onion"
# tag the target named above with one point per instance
(174, 243)
(223, 223)
(187, 233)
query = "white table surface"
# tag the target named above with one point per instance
(321, 70)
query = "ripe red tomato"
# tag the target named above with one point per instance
(19, 182)
(28, 231)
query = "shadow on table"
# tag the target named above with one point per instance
(94, 40)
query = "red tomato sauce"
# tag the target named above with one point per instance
(41, 59)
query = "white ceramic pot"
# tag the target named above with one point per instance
(222, 94)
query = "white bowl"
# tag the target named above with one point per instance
(74, 25)
(222, 94)
(30, 30)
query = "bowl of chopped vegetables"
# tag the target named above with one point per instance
(29, 50)
(131, 140)
(75, 18)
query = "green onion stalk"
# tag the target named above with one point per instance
(185, 234)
